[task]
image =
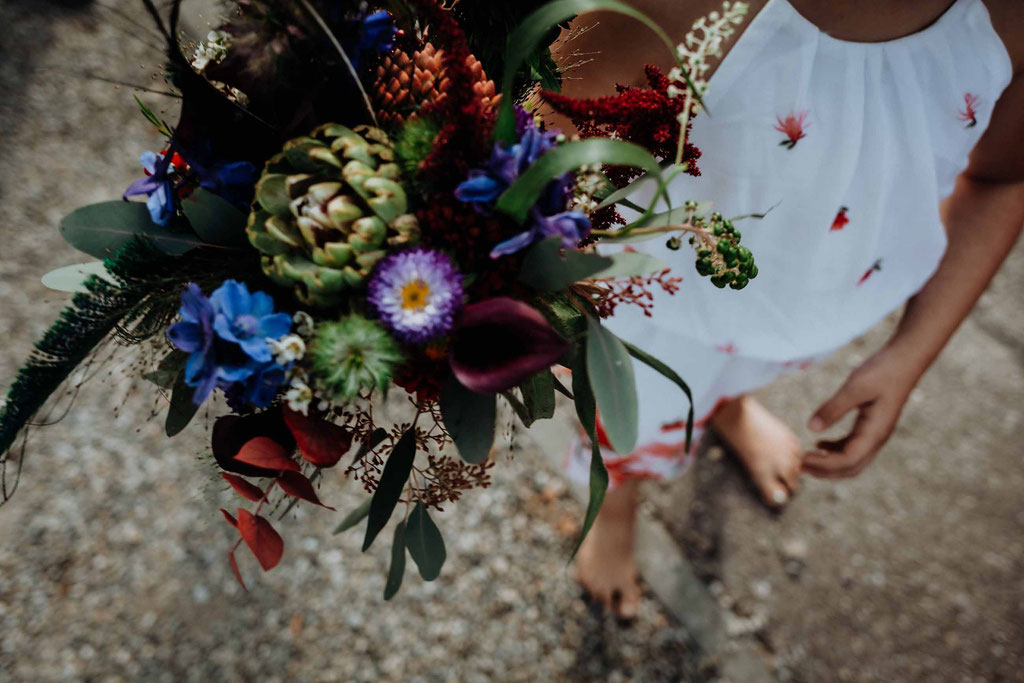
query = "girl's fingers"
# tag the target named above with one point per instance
(832, 410)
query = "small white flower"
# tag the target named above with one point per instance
(299, 396)
(303, 323)
(287, 349)
(673, 92)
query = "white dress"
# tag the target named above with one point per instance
(876, 136)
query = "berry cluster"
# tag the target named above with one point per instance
(720, 255)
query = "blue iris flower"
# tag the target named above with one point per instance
(157, 186)
(548, 217)
(227, 337)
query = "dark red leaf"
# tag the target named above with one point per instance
(231, 520)
(231, 432)
(298, 486)
(320, 441)
(234, 568)
(499, 343)
(243, 488)
(266, 453)
(264, 542)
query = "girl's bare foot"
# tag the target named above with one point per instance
(768, 449)
(605, 565)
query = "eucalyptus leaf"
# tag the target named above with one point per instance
(214, 219)
(390, 487)
(547, 270)
(354, 517)
(182, 408)
(539, 396)
(425, 543)
(525, 190)
(630, 263)
(586, 411)
(669, 374)
(527, 37)
(72, 278)
(396, 572)
(167, 370)
(469, 418)
(610, 371)
(100, 230)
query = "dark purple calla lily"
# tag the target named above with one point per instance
(499, 343)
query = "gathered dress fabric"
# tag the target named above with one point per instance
(850, 147)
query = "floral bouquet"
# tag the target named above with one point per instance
(348, 205)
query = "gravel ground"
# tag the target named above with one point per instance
(113, 563)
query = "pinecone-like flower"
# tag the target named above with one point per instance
(405, 82)
(328, 208)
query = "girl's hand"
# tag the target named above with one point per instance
(878, 389)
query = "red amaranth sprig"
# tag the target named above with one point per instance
(645, 116)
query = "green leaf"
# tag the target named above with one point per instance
(214, 219)
(586, 411)
(102, 229)
(669, 374)
(618, 196)
(560, 388)
(630, 263)
(72, 278)
(425, 544)
(527, 37)
(547, 270)
(397, 570)
(354, 517)
(167, 371)
(469, 418)
(610, 370)
(525, 191)
(392, 483)
(182, 409)
(539, 396)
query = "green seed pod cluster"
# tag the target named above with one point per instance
(720, 255)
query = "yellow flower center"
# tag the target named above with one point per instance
(415, 295)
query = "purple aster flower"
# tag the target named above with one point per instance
(226, 336)
(416, 292)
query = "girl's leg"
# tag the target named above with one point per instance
(605, 565)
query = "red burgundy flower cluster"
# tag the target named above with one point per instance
(645, 116)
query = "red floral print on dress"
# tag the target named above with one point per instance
(793, 127)
(729, 348)
(876, 266)
(969, 114)
(841, 220)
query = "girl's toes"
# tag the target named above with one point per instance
(775, 494)
(625, 604)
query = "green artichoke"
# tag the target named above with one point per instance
(328, 207)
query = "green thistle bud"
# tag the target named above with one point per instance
(352, 356)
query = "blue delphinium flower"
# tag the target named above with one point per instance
(227, 338)
(157, 186)
(377, 32)
(548, 216)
